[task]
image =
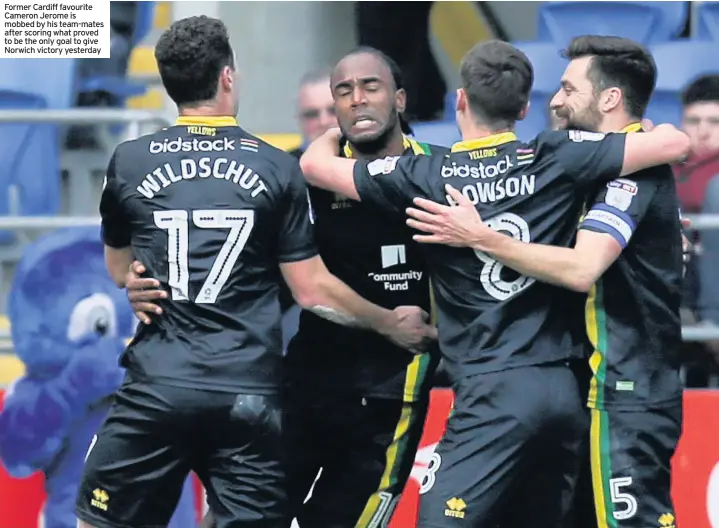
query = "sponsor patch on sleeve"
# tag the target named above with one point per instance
(620, 193)
(580, 135)
(382, 166)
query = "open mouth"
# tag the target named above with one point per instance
(364, 123)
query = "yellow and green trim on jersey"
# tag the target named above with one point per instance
(600, 438)
(408, 431)
(596, 326)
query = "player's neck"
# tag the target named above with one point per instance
(472, 131)
(208, 110)
(615, 123)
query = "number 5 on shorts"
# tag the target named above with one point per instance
(622, 497)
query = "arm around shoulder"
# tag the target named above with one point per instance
(664, 144)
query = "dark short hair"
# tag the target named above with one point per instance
(497, 78)
(618, 62)
(702, 89)
(395, 71)
(190, 56)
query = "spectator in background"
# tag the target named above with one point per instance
(123, 20)
(315, 106)
(700, 121)
(698, 187)
(401, 31)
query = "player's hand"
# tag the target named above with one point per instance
(142, 291)
(410, 329)
(647, 125)
(332, 138)
(456, 225)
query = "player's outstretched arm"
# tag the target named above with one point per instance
(663, 144)
(577, 268)
(317, 290)
(323, 168)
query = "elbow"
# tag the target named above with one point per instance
(682, 146)
(581, 282)
(581, 285)
(306, 300)
(311, 294)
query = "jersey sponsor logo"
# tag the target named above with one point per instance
(393, 255)
(620, 193)
(580, 135)
(382, 166)
(483, 170)
(218, 168)
(171, 146)
(396, 281)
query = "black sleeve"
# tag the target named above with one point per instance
(116, 227)
(392, 182)
(590, 157)
(619, 207)
(296, 238)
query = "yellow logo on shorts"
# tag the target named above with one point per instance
(100, 499)
(455, 508)
(667, 520)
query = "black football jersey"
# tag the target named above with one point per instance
(372, 251)
(211, 211)
(632, 312)
(489, 317)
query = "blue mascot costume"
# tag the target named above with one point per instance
(69, 325)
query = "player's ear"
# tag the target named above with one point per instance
(610, 99)
(523, 113)
(401, 100)
(461, 104)
(228, 77)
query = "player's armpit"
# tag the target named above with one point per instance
(317, 290)
(664, 144)
(117, 261)
(323, 168)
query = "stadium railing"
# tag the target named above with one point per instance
(81, 164)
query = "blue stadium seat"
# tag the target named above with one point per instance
(51, 79)
(678, 63)
(123, 88)
(644, 22)
(29, 162)
(441, 133)
(145, 16)
(707, 14)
